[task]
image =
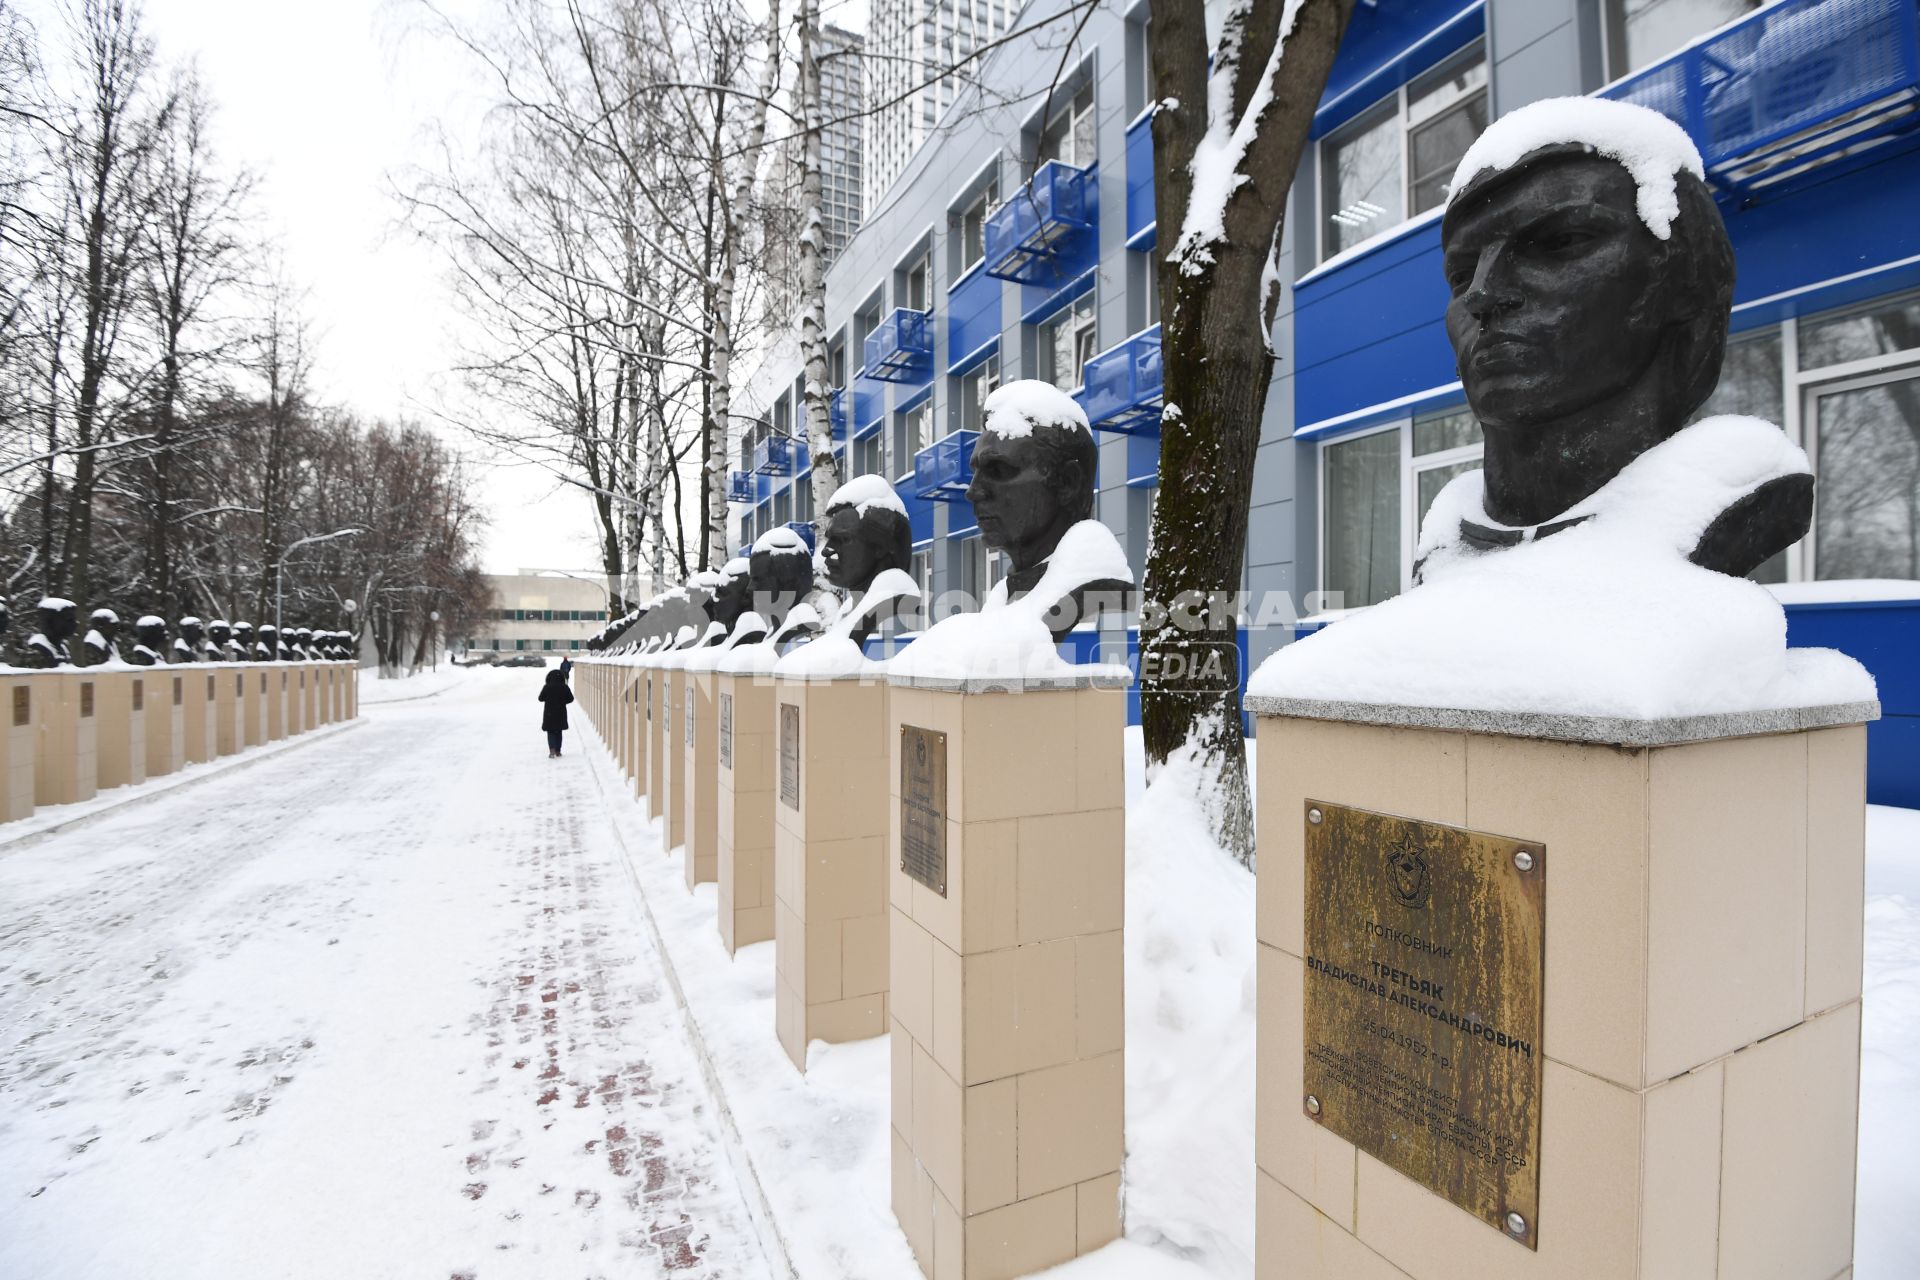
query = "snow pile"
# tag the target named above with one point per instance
(1648, 145)
(1013, 411)
(56, 602)
(1009, 640)
(1190, 992)
(1845, 590)
(832, 656)
(1888, 1238)
(864, 493)
(1604, 618)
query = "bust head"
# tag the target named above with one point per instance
(152, 632)
(867, 532)
(780, 572)
(734, 594)
(1034, 470)
(192, 631)
(1590, 300)
(58, 619)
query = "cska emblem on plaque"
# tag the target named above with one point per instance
(1407, 874)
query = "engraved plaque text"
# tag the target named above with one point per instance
(22, 706)
(923, 806)
(790, 754)
(1425, 961)
(726, 731)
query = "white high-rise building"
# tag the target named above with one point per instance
(841, 160)
(910, 43)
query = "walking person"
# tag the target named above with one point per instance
(554, 697)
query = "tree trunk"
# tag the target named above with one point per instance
(813, 276)
(1219, 283)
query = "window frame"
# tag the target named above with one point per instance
(1066, 312)
(1396, 106)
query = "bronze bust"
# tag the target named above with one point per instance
(868, 554)
(1589, 332)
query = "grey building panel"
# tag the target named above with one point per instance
(1270, 533)
(1534, 51)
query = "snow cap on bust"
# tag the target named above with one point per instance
(1649, 146)
(99, 615)
(149, 620)
(780, 541)
(1016, 409)
(863, 492)
(736, 566)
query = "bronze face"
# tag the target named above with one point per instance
(1558, 299)
(1024, 499)
(853, 555)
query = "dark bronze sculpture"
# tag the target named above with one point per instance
(266, 643)
(1034, 471)
(1584, 340)
(152, 647)
(97, 645)
(867, 553)
(47, 647)
(240, 648)
(191, 644)
(780, 573)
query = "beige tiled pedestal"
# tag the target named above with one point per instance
(830, 863)
(253, 718)
(166, 721)
(1702, 1002)
(66, 765)
(120, 718)
(699, 781)
(199, 690)
(310, 696)
(229, 707)
(1005, 994)
(352, 672)
(673, 797)
(655, 694)
(275, 698)
(19, 744)
(745, 759)
(635, 714)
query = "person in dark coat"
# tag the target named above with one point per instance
(554, 697)
(566, 668)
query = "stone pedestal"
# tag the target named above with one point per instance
(229, 706)
(1005, 991)
(19, 743)
(253, 717)
(201, 734)
(309, 696)
(1703, 888)
(276, 700)
(655, 693)
(830, 864)
(66, 765)
(326, 678)
(635, 715)
(699, 778)
(745, 750)
(166, 722)
(120, 714)
(352, 691)
(673, 759)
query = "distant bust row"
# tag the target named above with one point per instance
(216, 641)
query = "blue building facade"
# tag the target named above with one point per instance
(1019, 245)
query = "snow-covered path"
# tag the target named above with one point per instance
(381, 1007)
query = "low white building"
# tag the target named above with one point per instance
(541, 610)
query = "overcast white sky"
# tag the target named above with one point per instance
(325, 99)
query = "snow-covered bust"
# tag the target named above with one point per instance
(868, 553)
(1034, 470)
(1595, 566)
(1592, 281)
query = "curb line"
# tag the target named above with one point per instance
(773, 1245)
(233, 764)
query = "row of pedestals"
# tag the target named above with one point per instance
(946, 865)
(74, 732)
(994, 962)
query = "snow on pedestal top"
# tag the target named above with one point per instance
(1648, 145)
(1606, 618)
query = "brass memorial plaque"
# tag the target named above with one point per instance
(687, 717)
(649, 701)
(923, 806)
(86, 699)
(726, 731)
(178, 690)
(139, 695)
(1425, 964)
(22, 706)
(790, 754)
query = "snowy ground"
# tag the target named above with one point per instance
(391, 1005)
(378, 1007)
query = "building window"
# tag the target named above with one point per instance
(1068, 135)
(917, 285)
(975, 386)
(1397, 160)
(1360, 508)
(1640, 32)
(910, 436)
(980, 569)
(1067, 343)
(973, 225)
(923, 572)
(866, 456)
